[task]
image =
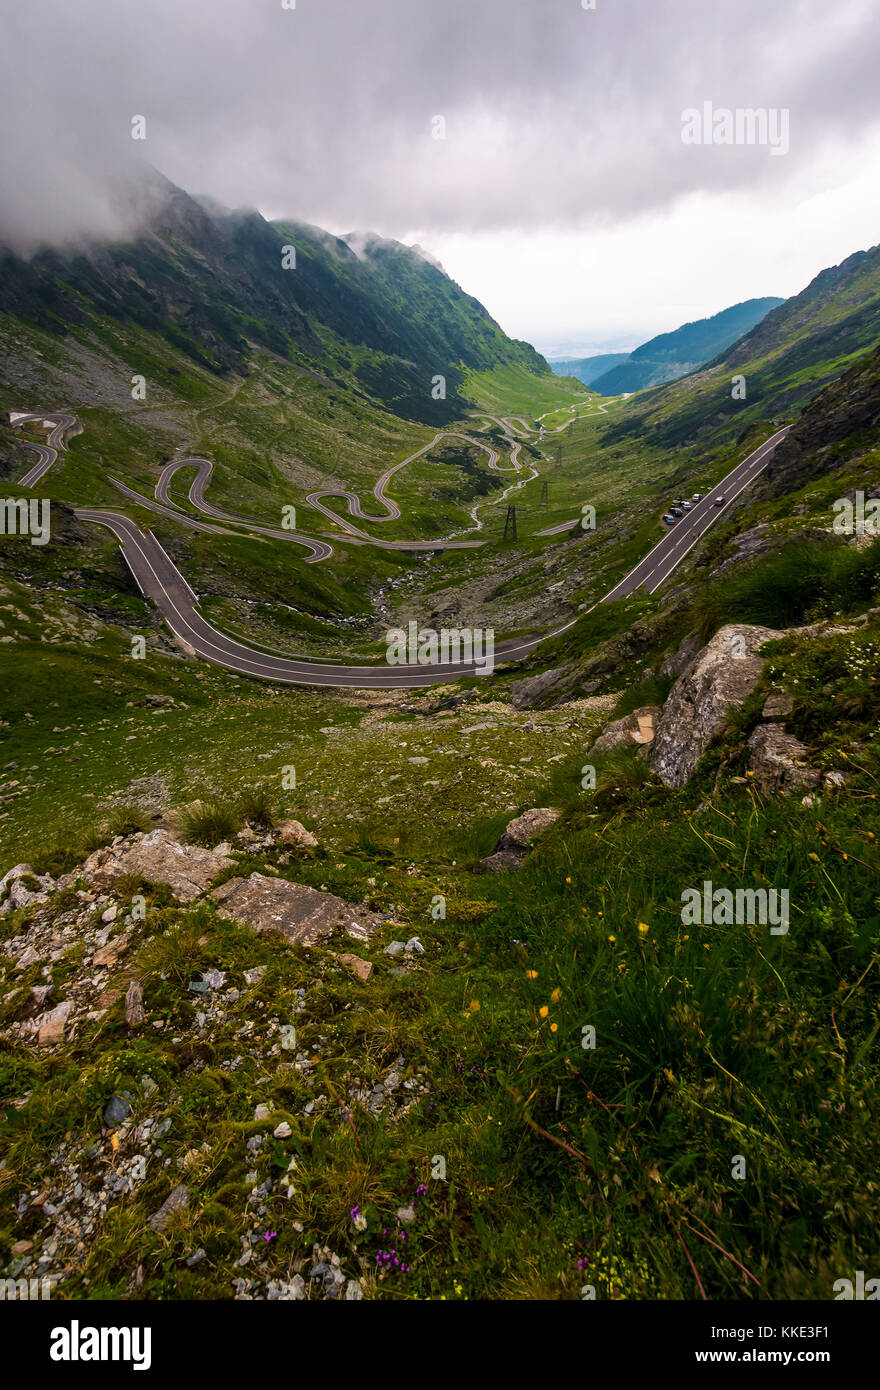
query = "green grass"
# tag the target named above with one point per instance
(566, 1165)
(803, 582)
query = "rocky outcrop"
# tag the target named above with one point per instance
(777, 762)
(160, 858)
(304, 916)
(638, 727)
(514, 844)
(718, 680)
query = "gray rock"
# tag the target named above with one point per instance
(777, 764)
(717, 681)
(116, 1111)
(511, 849)
(275, 907)
(502, 861)
(777, 706)
(291, 832)
(134, 1005)
(20, 896)
(177, 1200)
(526, 692)
(519, 833)
(50, 1026)
(682, 656)
(636, 728)
(160, 858)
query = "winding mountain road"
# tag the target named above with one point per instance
(62, 425)
(160, 581)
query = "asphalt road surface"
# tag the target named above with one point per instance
(318, 550)
(659, 563)
(392, 511)
(46, 453)
(159, 579)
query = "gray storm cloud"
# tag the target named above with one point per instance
(554, 114)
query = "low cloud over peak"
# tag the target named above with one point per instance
(473, 115)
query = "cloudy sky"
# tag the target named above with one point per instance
(561, 194)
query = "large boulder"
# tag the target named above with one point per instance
(719, 680)
(777, 762)
(159, 858)
(304, 916)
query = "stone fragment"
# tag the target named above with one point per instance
(134, 1005)
(177, 1201)
(777, 762)
(291, 832)
(301, 915)
(362, 968)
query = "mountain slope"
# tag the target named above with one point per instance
(784, 360)
(671, 355)
(588, 369)
(213, 283)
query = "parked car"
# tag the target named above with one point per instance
(697, 497)
(677, 511)
(719, 501)
(687, 505)
(669, 519)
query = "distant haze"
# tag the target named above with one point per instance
(562, 194)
